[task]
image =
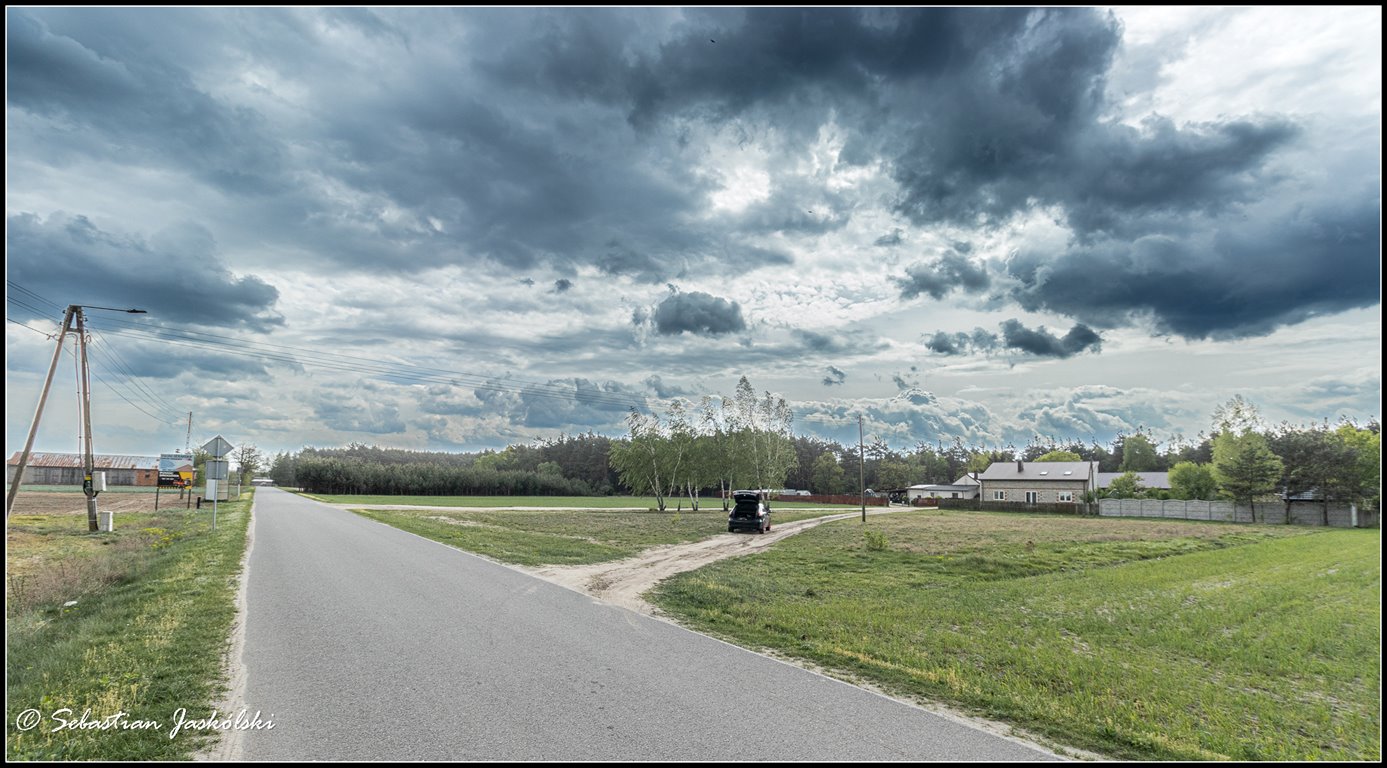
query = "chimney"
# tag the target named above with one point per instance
(1019, 467)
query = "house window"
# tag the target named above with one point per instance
(953, 495)
(1032, 497)
(999, 495)
(1066, 495)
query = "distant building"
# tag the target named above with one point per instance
(966, 487)
(67, 469)
(1157, 480)
(1039, 482)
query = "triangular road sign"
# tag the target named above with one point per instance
(218, 447)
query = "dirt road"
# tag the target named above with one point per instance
(623, 581)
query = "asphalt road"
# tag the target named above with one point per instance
(363, 642)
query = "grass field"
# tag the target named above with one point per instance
(1132, 638)
(561, 537)
(576, 502)
(146, 635)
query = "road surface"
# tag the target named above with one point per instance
(363, 642)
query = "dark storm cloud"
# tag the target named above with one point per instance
(961, 343)
(177, 276)
(1042, 343)
(834, 376)
(1037, 341)
(1243, 280)
(698, 313)
(1001, 111)
(562, 284)
(131, 105)
(580, 139)
(952, 271)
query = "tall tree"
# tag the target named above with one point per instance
(1192, 481)
(1127, 486)
(642, 459)
(1365, 472)
(828, 474)
(1138, 454)
(1244, 466)
(249, 461)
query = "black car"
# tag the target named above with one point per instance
(750, 511)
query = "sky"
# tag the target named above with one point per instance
(457, 229)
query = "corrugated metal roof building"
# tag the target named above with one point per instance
(66, 469)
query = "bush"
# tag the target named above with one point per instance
(876, 541)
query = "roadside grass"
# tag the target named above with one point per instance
(147, 635)
(573, 502)
(562, 537)
(1135, 639)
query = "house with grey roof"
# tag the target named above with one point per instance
(966, 487)
(1038, 482)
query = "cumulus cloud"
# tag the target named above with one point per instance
(562, 284)
(698, 313)
(834, 376)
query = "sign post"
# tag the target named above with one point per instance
(216, 470)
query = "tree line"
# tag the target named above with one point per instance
(746, 441)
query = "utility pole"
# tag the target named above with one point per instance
(38, 414)
(74, 311)
(861, 468)
(88, 460)
(188, 441)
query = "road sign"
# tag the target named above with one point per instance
(218, 447)
(216, 470)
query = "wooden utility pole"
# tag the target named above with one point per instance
(861, 468)
(38, 414)
(88, 460)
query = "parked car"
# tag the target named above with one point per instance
(750, 511)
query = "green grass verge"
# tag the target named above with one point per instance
(562, 537)
(147, 636)
(574, 502)
(1136, 639)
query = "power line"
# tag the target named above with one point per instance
(407, 372)
(390, 370)
(123, 397)
(112, 357)
(134, 387)
(300, 355)
(37, 296)
(35, 330)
